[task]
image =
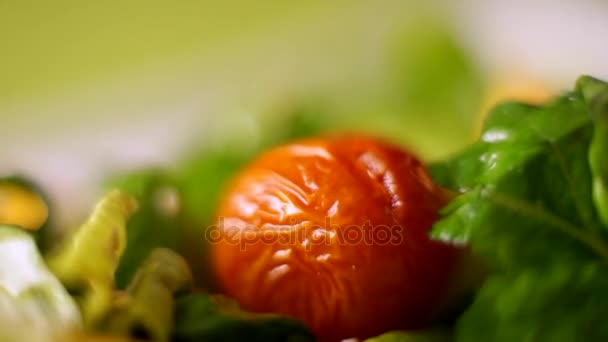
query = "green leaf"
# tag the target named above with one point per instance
(596, 95)
(86, 261)
(436, 87)
(157, 222)
(202, 177)
(33, 303)
(201, 317)
(529, 210)
(434, 68)
(200, 181)
(301, 119)
(567, 301)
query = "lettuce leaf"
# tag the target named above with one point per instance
(596, 94)
(529, 210)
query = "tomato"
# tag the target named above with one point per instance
(333, 231)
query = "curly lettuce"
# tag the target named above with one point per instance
(533, 208)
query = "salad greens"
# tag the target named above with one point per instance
(596, 94)
(531, 210)
(435, 75)
(199, 183)
(531, 205)
(434, 92)
(158, 304)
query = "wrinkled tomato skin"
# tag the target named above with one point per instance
(333, 231)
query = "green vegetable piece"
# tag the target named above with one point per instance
(565, 302)
(200, 181)
(437, 335)
(300, 119)
(529, 210)
(434, 69)
(201, 317)
(85, 263)
(437, 88)
(595, 93)
(146, 310)
(33, 303)
(157, 222)
(530, 163)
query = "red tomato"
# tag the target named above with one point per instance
(333, 231)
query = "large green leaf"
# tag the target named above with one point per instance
(529, 209)
(596, 95)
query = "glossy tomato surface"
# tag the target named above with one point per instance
(333, 231)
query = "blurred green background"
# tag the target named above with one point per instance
(92, 88)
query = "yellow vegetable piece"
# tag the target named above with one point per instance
(85, 263)
(21, 206)
(147, 306)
